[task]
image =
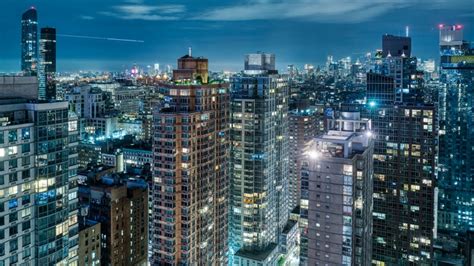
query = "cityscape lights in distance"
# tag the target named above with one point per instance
(372, 104)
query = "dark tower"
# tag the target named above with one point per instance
(29, 42)
(396, 46)
(48, 63)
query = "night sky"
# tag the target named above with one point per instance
(297, 31)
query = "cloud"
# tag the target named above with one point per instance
(85, 17)
(139, 11)
(342, 11)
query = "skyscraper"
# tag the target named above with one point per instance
(29, 42)
(336, 200)
(47, 71)
(404, 175)
(456, 143)
(38, 184)
(259, 163)
(190, 176)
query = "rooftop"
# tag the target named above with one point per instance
(259, 255)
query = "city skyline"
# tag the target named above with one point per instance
(239, 133)
(225, 31)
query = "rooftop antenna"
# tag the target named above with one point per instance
(190, 52)
(407, 31)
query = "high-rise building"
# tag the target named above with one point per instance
(190, 176)
(336, 200)
(121, 208)
(29, 42)
(47, 64)
(259, 165)
(404, 175)
(38, 182)
(396, 46)
(302, 129)
(456, 143)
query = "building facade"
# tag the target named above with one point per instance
(47, 64)
(404, 175)
(190, 176)
(29, 42)
(302, 129)
(336, 201)
(259, 165)
(89, 243)
(39, 194)
(456, 142)
(122, 211)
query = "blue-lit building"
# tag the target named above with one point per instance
(38, 183)
(456, 143)
(29, 42)
(259, 163)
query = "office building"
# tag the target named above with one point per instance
(302, 129)
(38, 162)
(456, 140)
(336, 201)
(47, 64)
(29, 42)
(404, 175)
(190, 176)
(259, 164)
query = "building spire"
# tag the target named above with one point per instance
(190, 52)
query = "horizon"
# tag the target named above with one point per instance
(225, 32)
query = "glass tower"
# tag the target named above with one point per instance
(456, 143)
(29, 42)
(47, 83)
(404, 174)
(259, 164)
(38, 194)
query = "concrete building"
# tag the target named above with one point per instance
(21, 87)
(302, 129)
(121, 208)
(137, 157)
(190, 176)
(336, 201)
